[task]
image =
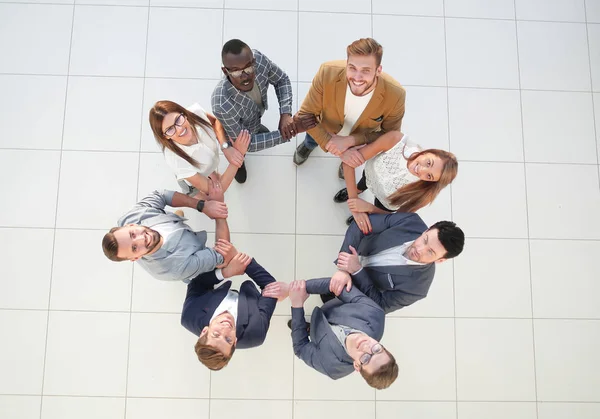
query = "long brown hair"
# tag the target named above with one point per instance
(416, 195)
(158, 113)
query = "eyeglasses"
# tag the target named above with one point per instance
(179, 121)
(375, 349)
(238, 73)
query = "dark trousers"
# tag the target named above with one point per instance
(362, 186)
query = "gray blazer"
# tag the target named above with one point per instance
(324, 352)
(392, 287)
(184, 255)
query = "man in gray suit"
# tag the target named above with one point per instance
(165, 246)
(394, 264)
(344, 332)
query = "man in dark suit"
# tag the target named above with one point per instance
(223, 318)
(394, 265)
(344, 332)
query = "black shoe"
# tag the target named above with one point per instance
(349, 220)
(241, 175)
(341, 196)
(327, 297)
(341, 172)
(301, 154)
(289, 323)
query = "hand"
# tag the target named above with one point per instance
(362, 221)
(338, 144)
(339, 280)
(298, 293)
(234, 156)
(237, 265)
(304, 122)
(227, 250)
(242, 142)
(349, 261)
(359, 205)
(279, 290)
(215, 209)
(287, 128)
(352, 157)
(215, 190)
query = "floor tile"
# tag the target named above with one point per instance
(558, 135)
(72, 407)
(155, 296)
(416, 410)
(37, 169)
(312, 52)
(251, 409)
(154, 174)
(407, 7)
(593, 35)
(20, 407)
(596, 99)
(482, 53)
(567, 356)
(491, 9)
(163, 57)
(553, 56)
(25, 288)
(494, 360)
(495, 134)
(262, 4)
(162, 408)
(561, 10)
(350, 6)
(551, 298)
(39, 1)
(188, 3)
(22, 354)
(486, 288)
(496, 410)
(281, 50)
(43, 31)
(119, 51)
(593, 10)
(328, 409)
(424, 351)
(570, 214)
(91, 196)
(115, 2)
(568, 410)
(75, 338)
(419, 62)
(497, 212)
(82, 280)
(178, 374)
(247, 375)
(44, 131)
(440, 209)
(119, 133)
(423, 105)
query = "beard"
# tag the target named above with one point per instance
(154, 239)
(361, 90)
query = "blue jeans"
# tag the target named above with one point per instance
(309, 142)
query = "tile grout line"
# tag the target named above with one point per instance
(587, 35)
(527, 216)
(56, 214)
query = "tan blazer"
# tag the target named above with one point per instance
(326, 98)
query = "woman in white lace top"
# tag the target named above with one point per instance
(401, 175)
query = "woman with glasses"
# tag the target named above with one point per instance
(189, 139)
(402, 176)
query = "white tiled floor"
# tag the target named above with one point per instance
(510, 329)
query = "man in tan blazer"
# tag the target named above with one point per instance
(354, 102)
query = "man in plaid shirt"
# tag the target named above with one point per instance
(240, 99)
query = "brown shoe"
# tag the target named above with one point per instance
(301, 154)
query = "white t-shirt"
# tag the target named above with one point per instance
(205, 151)
(353, 108)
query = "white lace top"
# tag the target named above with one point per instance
(387, 171)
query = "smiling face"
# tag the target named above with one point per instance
(362, 72)
(176, 127)
(220, 333)
(359, 344)
(135, 241)
(233, 63)
(427, 167)
(427, 248)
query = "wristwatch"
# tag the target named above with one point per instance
(200, 205)
(225, 145)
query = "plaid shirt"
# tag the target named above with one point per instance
(236, 111)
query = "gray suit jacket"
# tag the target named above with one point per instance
(184, 255)
(392, 287)
(324, 352)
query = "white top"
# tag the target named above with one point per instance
(387, 171)
(353, 108)
(205, 151)
(394, 256)
(229, 303)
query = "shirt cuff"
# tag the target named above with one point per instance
(219, 274)
(357, 271)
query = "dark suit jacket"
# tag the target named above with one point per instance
(392, 287)
(254, 310)
(324, 351)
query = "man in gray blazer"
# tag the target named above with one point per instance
(344, 332)
(394, 264)
(165, 246)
